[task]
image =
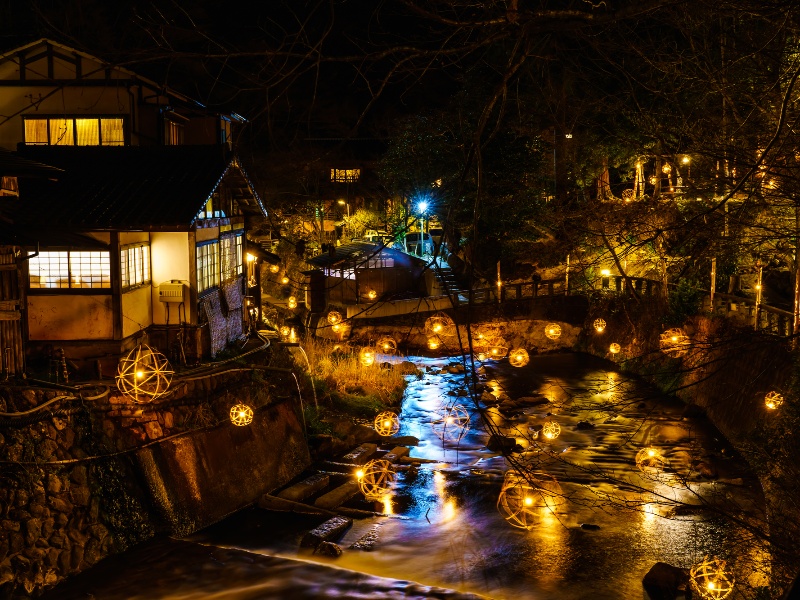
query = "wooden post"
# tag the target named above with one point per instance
(499, 283)
(713, 281)
(566, 278)
(758, 297)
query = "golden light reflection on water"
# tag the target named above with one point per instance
(448, 505)
(387, 504)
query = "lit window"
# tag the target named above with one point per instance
(231, 256)
(70, 270)
(173, 133)
(345, 175)
(135, 265)
(207, 266)
(75, 132)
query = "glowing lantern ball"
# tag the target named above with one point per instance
(334, 317)
(650, 460)
(372, 294)
(291, 302)
(376, 479)
(553, 331)
(386, 345)
(551, 430)
(144, 375)
(241, 415)
(285, 331)
(367, 357)
(599, 325)
(518, 357)
(674, 342)
(524, 498)
(387, 423)
(440, 325)
(711, 580)
(284, 280)
(274, 268)
(452, 424)
(614, 348)
(434, 343)
(773, 400)
(497, 352)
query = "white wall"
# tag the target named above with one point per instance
(169, 260)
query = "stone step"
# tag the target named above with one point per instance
(329, 531)
(396, 454)
(337, 496)
(360, 455)
(307, 487)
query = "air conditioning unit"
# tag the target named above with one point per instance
(171, 292)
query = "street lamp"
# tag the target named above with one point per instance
(422, 207)
(347, 204)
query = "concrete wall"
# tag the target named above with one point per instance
(70, 317)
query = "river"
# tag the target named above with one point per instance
(446, 537)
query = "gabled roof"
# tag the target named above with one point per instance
(129, 187)
(356, 253)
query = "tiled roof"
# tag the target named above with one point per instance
(125, 188)
(13, 165)
(356, 253)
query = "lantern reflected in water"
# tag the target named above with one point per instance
(334, 317)
(367, 357)
(387, 423)
(551, 430)
(336, 328)
(614, 348)
(376, 479)
(674, 342)
(525, 499)
(773, 400)
(434, 343)
(386, 345)
(518, 357)
(710, 579)
(650, 460)
(552, 331)
(291, 302)
(599, 325)
(451, 424)
(144, 374)
(497, 352)
(241, 415)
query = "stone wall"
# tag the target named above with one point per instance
(84, 480)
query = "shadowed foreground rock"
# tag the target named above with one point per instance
(665, 582)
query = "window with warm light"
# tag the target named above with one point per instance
(135, 265)
(207, 266)
(70, 270)
(345, 175)
(74, 131)
(231, 256)
(173, 133)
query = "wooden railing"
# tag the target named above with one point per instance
(763, 317)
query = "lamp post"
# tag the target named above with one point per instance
(422, 206)
(342, 202)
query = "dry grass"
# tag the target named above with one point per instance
(339, 369)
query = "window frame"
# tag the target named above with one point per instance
(72, 287)
(74, 118)
(145, 267)
(345, 175)
(202, 263)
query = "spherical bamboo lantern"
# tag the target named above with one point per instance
(285, 331)
(551, 429)
(480, 356)
(674, 342)
(524, 499)
(614, 348)
(376, 479)
(451, 424)
(650, 461)
(773, 400)
(599, 325)
(440, 325)
(291, 302)
(387, 423)
(274, 268)
(144, 374)
(386, 345)
(434, 342)
(241, 415)
(372, 294)
(336, 328)
(334, 317)
(518, 357)
(285, 280)
(552, 331)
(367, 357)
(710, 579)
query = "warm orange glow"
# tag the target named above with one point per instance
(274, 268)
(773, 400)
(284, 280)
(251, 257)
(291, 302)
(372, 294)
(241, 415)
(285, 331)
(614, 348)
(599, 325)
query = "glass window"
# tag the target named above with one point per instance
(36, 131)
(61, 133)
(75, 132)
(345, 175)
(88, 132)
(173, 133)
(112, 132)
(207, 266)
(70, 269)
(231, 256)
(135, 265)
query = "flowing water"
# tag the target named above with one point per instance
(615, 522)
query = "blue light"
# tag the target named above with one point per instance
(422, 206)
